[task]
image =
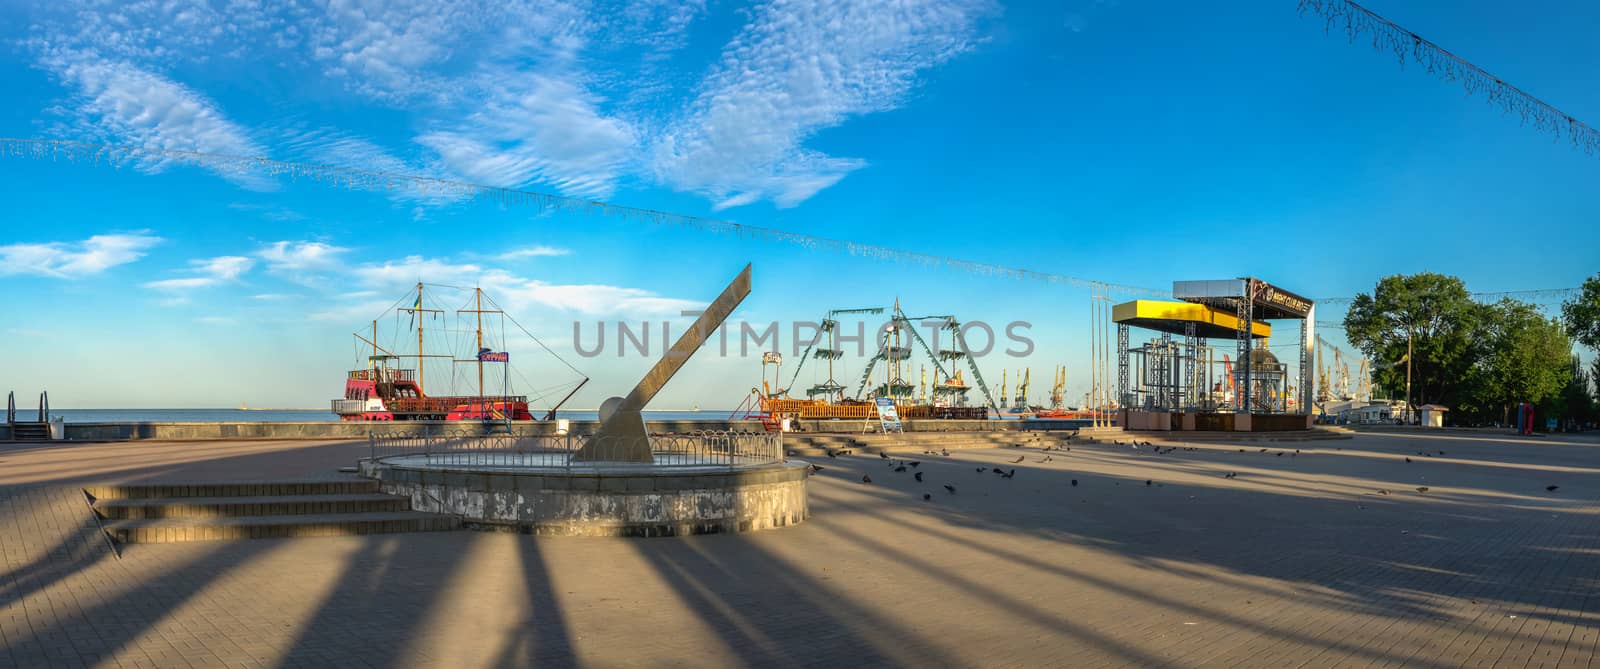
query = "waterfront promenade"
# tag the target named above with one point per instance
(1104, 555)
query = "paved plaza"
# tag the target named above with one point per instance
(1102, 556)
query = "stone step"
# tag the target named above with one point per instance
(231, 489)
(262, 505)
(30, 432)
(173, 530)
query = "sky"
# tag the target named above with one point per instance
(1130, 142)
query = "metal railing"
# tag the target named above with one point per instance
(709, 448)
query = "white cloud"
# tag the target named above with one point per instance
(71, 260)
(125, 104)
(533, 252)
(795, 69)
(389, 279)
(595, 299)
(211, 272)
(538, 128)
(301, 256)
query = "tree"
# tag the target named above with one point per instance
(1433, 316)
(1576, 402)
(1528, 358)
(1582, 314)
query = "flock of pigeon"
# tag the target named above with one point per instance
(902, 466)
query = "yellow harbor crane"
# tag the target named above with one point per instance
(1059, 389)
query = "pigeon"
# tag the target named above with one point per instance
(1441, 452)
(1422, 488)
(1408, 460)
(914, 464)
(900, 469)
(1280, 454)
(926, 497)
(883, 455)
(997, 470)
(1263, 450)
(945, 452)
(816, 468)
(1009, 474)
(1551, 488)
(1074, 483)
(1241, 450)
(1382, 491)
(1231, 475)
(866, 478)
(833, 454)
(919, 477)
(950, 488)
(1019, 459)
(1147, 481)
(1116, 441)
(982, 469)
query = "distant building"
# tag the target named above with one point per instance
(1432, 415)
(1368, 415)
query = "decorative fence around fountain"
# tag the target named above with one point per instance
(701, 449)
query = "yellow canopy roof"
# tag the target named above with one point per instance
(1174, 316)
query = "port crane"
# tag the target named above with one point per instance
(1058, 391)
(831, 390)
(891, 350)
(1023, 379)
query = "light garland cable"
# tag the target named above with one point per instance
(1356, 20)
(352, 178)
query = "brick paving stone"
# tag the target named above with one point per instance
(1280, 567)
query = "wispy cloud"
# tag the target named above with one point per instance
(533, 252)
(390, 278)
(72, 260)
(301, 256)
(795, 69)
(538, 129)
(596, 299)
(123, 103)
(270, 212)
(209, 272)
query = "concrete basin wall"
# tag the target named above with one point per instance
(360, 430)
(349, 430)
(664, 503)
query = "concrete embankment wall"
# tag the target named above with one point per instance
(360, 430)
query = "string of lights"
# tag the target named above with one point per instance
(1355, 21)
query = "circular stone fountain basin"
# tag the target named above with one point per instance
(547, 493)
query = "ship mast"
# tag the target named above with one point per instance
(477, 296)
(414, 310)
(478, 311)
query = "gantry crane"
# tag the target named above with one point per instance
(1021, 400)
(901, 324)
(830, 389)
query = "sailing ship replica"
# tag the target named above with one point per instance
(827, 400)
(387, 390)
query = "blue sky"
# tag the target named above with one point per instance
(1131, 142)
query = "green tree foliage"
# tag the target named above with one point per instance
(1575, 400)
(1528, 358)
(1582, 314)
(1436, 315)
(1478, 359)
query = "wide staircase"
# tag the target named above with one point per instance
(820, 443)
(179, 512)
